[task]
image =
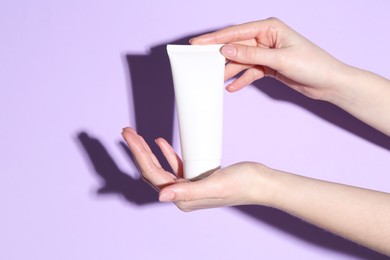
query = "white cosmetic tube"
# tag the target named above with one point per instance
(198, 79)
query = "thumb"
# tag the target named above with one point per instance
(182, 191)
(251, 55)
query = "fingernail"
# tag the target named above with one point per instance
(230, 88)
(129, 129)
(167, 196)
(229, 51)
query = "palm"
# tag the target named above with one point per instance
(225, 187)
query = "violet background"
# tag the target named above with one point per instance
(73, 73)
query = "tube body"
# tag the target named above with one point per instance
(198, 78)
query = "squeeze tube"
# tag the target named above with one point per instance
(198, 79)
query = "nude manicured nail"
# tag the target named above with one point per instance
(167, 196)
(129, 129)
(229, 51)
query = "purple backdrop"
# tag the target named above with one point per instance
(73, 73)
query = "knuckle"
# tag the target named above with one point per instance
(256, 73)
(273, 19)
(251, 55)
(248, 53)
(280, 59)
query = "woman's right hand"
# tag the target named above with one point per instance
(271, 48)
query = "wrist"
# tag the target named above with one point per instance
(335, 83)
(264, 186)
(363, 94)
(278, 189)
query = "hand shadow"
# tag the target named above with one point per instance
(309, 233)
(115, 181)
(150, 87)
(327, 111)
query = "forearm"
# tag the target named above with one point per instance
(365, 95)
(357, 214)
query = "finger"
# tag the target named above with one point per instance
(173, 159)
(247, 78)
(145, 145)
(151, 154)
(233, 33)
(233, 68)
(141, 154)
(252, 55)
(149, 170)
(189, 196)
(190, 191)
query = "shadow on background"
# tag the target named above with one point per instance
(153, 95)
(114, 181)
(309, 233)
(327, 111)
(151, 87)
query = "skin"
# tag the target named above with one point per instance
(271, 48)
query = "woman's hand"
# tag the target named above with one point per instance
(361, 215)
(271, 48)
(239, 184)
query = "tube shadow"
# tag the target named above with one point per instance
(152, 94)
(150, 85)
